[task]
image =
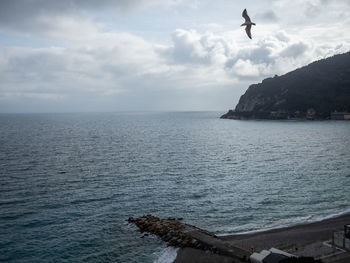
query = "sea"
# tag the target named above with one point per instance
(69, 181)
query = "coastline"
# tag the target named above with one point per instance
(295, 235)
(302, 239)
(309, 220)
(284, 115)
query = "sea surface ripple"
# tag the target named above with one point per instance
(69, 181)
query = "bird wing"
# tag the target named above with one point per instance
(245, 15)
(247, 29)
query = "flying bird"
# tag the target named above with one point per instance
(247, 23)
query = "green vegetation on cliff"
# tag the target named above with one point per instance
(323, 86)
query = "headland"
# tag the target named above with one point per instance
(318, 91)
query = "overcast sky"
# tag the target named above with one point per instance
(122, 55)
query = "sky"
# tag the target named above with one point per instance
(156, 55)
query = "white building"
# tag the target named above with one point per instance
(273, 255)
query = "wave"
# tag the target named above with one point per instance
(167, 255)
(329, 216)
(300, 220)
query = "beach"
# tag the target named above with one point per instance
(301, 240)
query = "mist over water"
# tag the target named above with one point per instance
(69, 181)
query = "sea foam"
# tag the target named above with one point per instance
(167, 255)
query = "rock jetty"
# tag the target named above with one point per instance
(171, 231)
(182, 235)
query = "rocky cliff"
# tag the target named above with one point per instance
(317, 89)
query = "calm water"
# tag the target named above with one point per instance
(69, 181)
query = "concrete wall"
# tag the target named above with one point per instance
(340, 241)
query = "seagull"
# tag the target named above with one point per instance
(247, 23)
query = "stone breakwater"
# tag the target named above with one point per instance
(182, 235)
(171, 231)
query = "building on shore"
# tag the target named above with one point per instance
(310, 114)
(280, 114)
(341, 239)
(340, 115)
(269, 256)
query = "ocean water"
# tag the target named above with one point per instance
(68, 182)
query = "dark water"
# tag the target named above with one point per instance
(69, 181)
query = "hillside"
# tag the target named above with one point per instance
(321, 87)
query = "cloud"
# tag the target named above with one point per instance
(246, 69)
(294, 50)
(24, 8)
(274, 54)
(189, 46)
(88, 64)
(306, 12)
(73, 70)
(267, 16)
(117, 65)
(27, 16)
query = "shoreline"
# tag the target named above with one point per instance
(302, 233)
(273, 115)
(301, 239)
(311, 220)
